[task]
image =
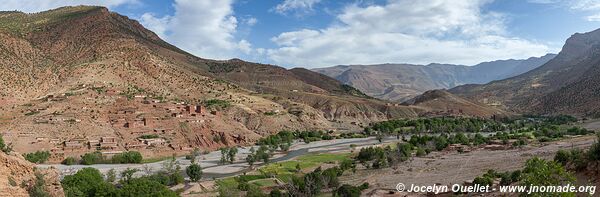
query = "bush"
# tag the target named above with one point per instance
(216, 103)
(276, 193)
(166, 178)
(562, 157)
(149, 136)
(540, 172)
(92, 158)
(194, 171)
(69, 161)
(348, 191)
(4, 147)
(594, 152)
(483, 181)
(37, 157)
(127, 157)
(145, 187)
(87, 182)
(38, 189)
(421, 152)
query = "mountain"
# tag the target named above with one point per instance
(404, 81)
(566, 84)
(80, 79)
(443, 103)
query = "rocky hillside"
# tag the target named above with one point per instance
(18, 177)
(79, 79)
(404, 81)
(443, 103)
(566, 84)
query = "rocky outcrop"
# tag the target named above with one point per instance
(18, 176)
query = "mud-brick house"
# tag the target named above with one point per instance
(108, 143)
(73, 145)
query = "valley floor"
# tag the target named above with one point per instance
(449, 168)
(210, 162)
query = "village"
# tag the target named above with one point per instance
(138, 123)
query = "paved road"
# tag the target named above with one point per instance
(212, 169)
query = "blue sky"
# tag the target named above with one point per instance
(320, 33)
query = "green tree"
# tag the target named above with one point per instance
(194, 171)
(542, 173)
(37, 157)
(69, 161)
(86, 182)
(145, 187)
(111, 176)
(254, 191)
(127, 157)
(562, 157)
(38, 189)
(224, 155)
(276, 193)
(231, 154)
(127, 174)
(91, 158)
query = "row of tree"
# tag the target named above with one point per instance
(90, 182)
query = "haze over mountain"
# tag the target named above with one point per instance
(567, 84)
(400, 82)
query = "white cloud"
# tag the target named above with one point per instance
(205, 28)
(405, 31)
(591, 7)
(31, 6)
(251, 21)
(298, 6)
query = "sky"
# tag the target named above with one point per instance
(323, 33)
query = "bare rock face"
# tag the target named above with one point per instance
(17, 176)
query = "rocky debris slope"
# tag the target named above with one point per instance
(18, 176)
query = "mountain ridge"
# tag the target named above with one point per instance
(403, 81)
(564, 84)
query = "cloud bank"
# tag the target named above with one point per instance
(405, 31)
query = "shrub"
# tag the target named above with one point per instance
(91, 158)
(166, 178)
(38, 188)
(149, 136)
(37, 157)
(421, 152)
(594, 152)
(216, 103)
(562, 157)
(69, 161)
(541, 172)
(348, 191)
(194, 171)
(145, 187)
(6, 148)
(127, 157)
(276, 193)
(254, 191)
(483, 181)
(111, 176)
(87, 182)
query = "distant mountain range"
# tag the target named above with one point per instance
(567, 84)
(400, 82)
